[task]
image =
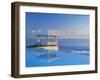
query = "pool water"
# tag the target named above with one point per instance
(71, 52)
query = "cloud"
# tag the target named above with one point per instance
(75, 33)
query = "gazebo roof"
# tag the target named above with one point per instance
(52, 36)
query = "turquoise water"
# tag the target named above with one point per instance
(71, 52)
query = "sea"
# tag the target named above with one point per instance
(71, 52)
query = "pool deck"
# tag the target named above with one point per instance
(47, 47)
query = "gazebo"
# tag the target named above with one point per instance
(51, 42)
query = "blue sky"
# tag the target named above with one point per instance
(71, 26)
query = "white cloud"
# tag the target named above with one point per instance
(75, 33)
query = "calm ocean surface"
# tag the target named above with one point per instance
(71, 52)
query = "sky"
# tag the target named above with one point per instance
(69, 26)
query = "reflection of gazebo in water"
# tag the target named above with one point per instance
(51, 47)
